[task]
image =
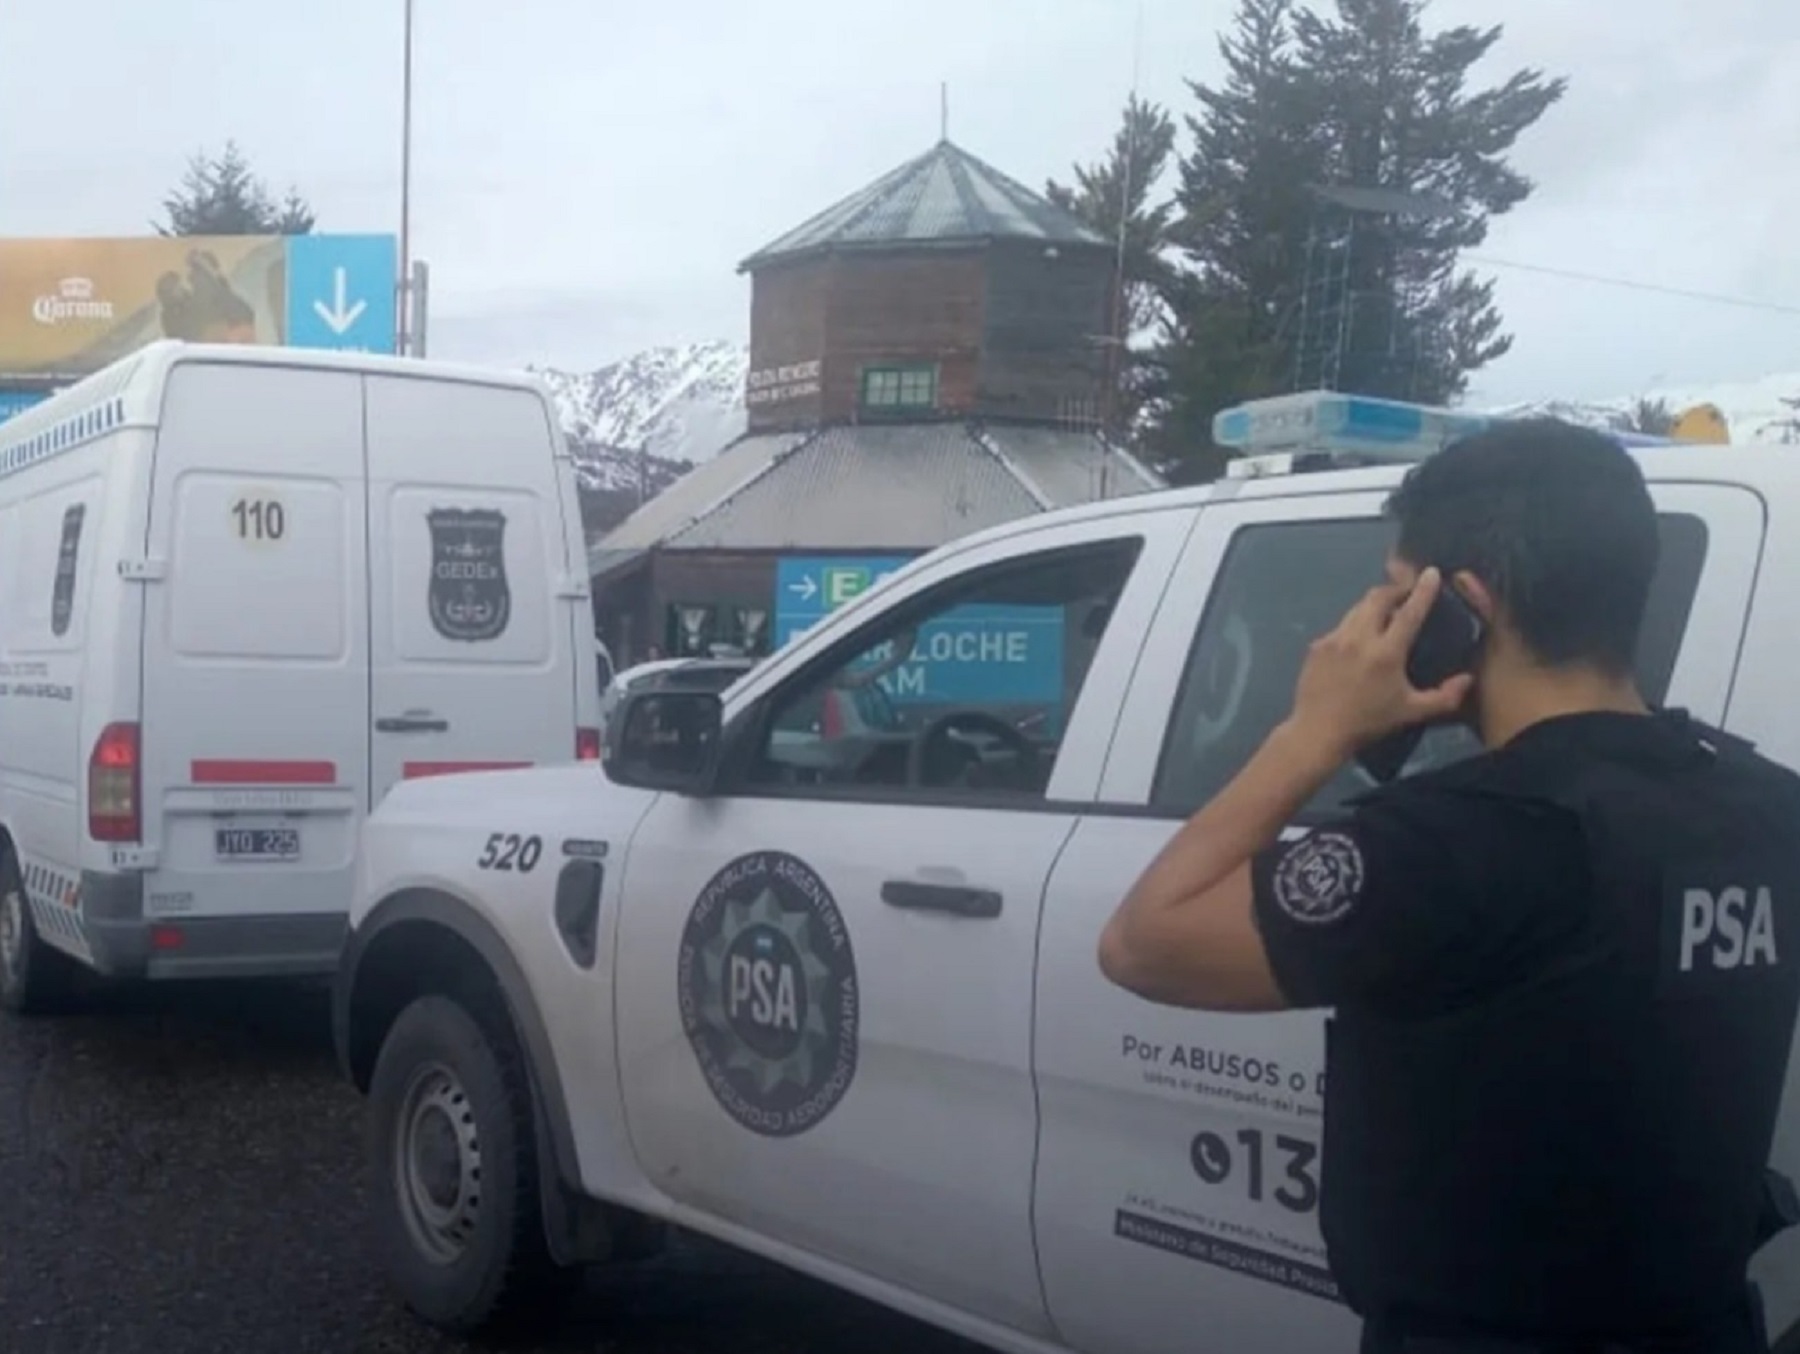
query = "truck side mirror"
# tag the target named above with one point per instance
(666, 740)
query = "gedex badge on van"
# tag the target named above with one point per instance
(470, 600)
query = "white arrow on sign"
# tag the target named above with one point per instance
(806, 587)
(342, 314)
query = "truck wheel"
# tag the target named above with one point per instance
(34, 978)
(457, 1214)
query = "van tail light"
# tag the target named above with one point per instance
(587, 745)
(113, 786)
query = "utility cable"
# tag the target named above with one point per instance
(1630, 284)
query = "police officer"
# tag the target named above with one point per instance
(1564, 971)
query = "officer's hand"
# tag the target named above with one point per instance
(1353, 687)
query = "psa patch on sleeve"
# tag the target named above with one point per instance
(1319, 879)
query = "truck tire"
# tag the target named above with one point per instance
(34, 979)
(458, 1225)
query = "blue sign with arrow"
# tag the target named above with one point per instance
(976, 654)
(810, 587)
(342, 292)
(14, 402)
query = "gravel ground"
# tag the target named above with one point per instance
(181, 1173)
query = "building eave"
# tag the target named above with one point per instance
(958, 244)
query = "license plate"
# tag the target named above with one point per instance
(257, 843)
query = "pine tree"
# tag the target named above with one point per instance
(1785, 430)
(1125, 184)
(1121, 190)
(1397, 117)
(1242, 206)
(1361, 107)
(219, 195)
(1649, 416)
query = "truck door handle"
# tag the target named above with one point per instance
(960, 900)
(411, 724)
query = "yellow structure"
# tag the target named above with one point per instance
(1704, 424)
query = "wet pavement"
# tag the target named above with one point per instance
(181, 1173)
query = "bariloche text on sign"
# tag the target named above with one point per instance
(976, 654)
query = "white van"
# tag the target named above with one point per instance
(243, 592)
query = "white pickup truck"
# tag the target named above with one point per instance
(825, 988)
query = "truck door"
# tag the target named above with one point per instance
(825, 1024)
(474, 600)
(255, 695)
(1178, 1174)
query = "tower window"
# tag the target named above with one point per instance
(893, 389)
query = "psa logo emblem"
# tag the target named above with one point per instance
(1734, 928)
(768, 994)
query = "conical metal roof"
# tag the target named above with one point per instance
(945, 196)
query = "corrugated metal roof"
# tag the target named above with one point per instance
(1068, 467)
(867, 488)
(890, 486)
(698, 491)
(603, 561)
(944, 195)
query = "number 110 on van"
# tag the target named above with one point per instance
(259, 519)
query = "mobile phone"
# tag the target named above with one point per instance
(1445, 647)
(1447, 642)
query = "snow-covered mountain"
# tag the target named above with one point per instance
(652, 415)
(639, 424)
(1754, 410)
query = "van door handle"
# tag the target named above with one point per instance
(960, 900)
(411, 724)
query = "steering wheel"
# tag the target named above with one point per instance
(923, 759)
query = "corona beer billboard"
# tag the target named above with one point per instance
(69, 307)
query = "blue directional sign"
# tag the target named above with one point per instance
(810, 587)
(341, 292)
(977, 654)
(13, 402)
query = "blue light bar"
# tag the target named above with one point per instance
(1318, 429)
(1325, 420)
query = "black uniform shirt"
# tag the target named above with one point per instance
(1433, 892)
(1509, 998)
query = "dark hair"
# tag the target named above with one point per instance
(1555, 520)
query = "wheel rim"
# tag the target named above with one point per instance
(12, 931)
(437, 1164)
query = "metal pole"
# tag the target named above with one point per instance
(421, 306)
(402, 317)
(1115, 352)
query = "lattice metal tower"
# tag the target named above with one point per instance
(1335, 317)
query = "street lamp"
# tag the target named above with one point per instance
(403, 319)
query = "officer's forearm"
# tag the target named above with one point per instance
(1243, 818)
(1182, 934)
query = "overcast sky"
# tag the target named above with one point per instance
(587, 173)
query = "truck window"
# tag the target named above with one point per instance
(1281, 586)
(965, 690)
(47, 566)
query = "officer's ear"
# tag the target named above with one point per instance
(1476, 594)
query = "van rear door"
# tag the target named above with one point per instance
(474, 605)
(255, 651)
